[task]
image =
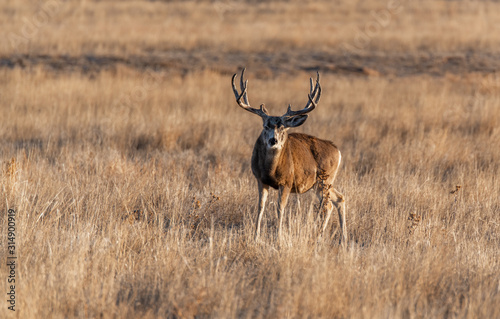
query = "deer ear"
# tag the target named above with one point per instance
(295, 121)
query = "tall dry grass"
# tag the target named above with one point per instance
(132, 28)
(147, 209)
(133, 189)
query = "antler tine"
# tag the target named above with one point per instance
(314, 96)
(242, 99)
(243, 87)
(310, 85)
(235, 91)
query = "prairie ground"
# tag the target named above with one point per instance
(127, 161)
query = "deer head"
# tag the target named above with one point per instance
(275, 128)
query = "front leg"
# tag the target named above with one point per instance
(263, 191)
(284, 192)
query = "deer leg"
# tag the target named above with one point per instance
(263, 191)
(283, 194)
(339, 202)
(326, 208)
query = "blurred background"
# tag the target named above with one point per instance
(390, 37)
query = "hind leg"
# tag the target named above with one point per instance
(339, 202)
(329, 198)
(325, 207)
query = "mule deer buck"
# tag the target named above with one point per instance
(293, 162)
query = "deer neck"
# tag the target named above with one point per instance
(274, 158)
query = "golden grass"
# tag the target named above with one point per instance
(134, 193)
(143, 27)
(148, 209)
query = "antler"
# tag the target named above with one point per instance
(242, 99)
(313, 95)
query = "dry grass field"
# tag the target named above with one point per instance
(127, 160)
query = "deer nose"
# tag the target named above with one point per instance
(273, 141)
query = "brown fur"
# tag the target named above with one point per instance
(302, 157)
(304, 162)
